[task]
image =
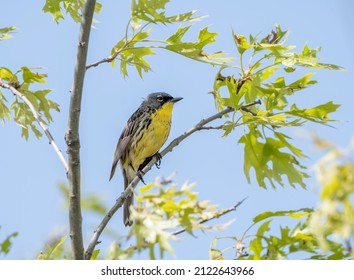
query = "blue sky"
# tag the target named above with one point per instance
(30, 201)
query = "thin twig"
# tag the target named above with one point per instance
(222, 213)
(213, 127)
(105, 60)
(117, 52)
(39, 120)
(119, 202)
(72, 135)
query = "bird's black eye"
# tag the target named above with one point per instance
(159, 98)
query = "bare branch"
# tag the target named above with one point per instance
(132, 185)
(105, 60)
(219, 127)
(39, 120)
(72, 135)
(200, 126)
(221, 213)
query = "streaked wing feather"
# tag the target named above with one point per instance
(125, 139)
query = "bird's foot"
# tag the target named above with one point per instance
(158, 160)
(140, 174)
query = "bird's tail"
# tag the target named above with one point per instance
(127, 203)
(126, 211)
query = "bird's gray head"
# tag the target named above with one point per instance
(157, 99)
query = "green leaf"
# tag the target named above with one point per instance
(139, 36)
(146, 187)
(44, 104)
(292, 59)
(98, 7)
(279, 88)
(134, 57)
(58, 245)
(306, 51)
(256, 244)
(276, 36)
(149, 10)
(318, 114)
(205, 38)
(253, 153)
(5, 32)
(30, 77)
(184, 17)
(215, 254)
(235, 96)
(283, 138)
(71, 7)
(283, 163)
(241, 43)
(7, 75)
(53, 7)
(177, 37)
(4, 110)
(194, 50)
(95, 254)
(268, 72)
(53, 252)
(300, 213)
(275, 49)
(23, 116)
(131, 55)
(154, 11)
(303, 82)
(263, 228)
(269, 161)
(5, 246)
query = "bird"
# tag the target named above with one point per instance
(144, 134)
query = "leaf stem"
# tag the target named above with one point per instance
(266, 67)
(241, 64)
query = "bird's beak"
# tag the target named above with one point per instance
(174, 100)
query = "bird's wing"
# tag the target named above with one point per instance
(121, 148)
(124, 140)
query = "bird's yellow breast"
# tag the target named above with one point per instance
(154, 136)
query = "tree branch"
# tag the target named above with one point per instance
(132, 185)
(39, 120)
(105, 60)
(222, 213)
(72, 135)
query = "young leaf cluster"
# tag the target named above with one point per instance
(71, 7)
(23, 80)
(267, 151)
(54, 250)
(137, 43)
(324, 233)
(334, 219)
(163, 208)
(264, 245)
